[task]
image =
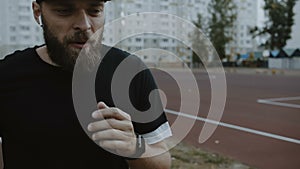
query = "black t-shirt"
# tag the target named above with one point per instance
(38, 124)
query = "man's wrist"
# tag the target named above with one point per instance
(139, 148)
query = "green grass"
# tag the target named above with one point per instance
(188, 157)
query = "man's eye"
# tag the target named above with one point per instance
(95, 12)
(64, 12)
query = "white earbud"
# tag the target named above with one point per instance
(40, 21)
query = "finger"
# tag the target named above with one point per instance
(110, 124)
(112, 134)
(98, 114)
(111, 113)
(102, 105)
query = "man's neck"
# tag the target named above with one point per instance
(43, 54)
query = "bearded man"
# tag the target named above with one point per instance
(38, 123)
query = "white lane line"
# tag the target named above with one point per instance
(278, 103)
(257, 132)
(275, 101)
(284, 99)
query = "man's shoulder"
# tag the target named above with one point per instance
(117, 55)
(16, 58)
(113, 52)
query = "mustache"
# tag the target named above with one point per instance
(79, 36)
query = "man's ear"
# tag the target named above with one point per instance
(36, 8)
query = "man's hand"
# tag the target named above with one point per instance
(113, 130)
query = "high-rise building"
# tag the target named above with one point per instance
(166, 24)
(18, 29)
(248, 16)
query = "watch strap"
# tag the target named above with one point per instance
(139, 148)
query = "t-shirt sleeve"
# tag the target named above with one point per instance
(158, 129)
(153, 130)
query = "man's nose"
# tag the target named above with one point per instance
(82, 21)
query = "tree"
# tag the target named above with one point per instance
(223, 15)
(279, 25)
(199, 41)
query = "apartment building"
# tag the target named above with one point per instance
(18, 29)
(248, 16)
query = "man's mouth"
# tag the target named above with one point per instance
(79, 44)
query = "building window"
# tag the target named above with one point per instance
(12, 28)
(26, 37)
(25, 28)
(24, 8)
(138, 39)
(139, 6)
(13, 38)
(24, 18)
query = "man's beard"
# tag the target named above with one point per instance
(60, 52)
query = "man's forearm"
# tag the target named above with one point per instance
(155, 157)
(162, 161)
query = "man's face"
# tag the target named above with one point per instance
(68, 25)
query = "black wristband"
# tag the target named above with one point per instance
(139, 148)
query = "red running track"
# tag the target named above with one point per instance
(243, 110)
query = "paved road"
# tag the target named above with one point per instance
(274, 142)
